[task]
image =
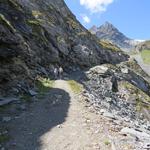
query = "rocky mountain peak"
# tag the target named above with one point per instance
(93, 29)
(109, 32)
(107, 27)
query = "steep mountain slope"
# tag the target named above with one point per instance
(37, 36)
(108, 32)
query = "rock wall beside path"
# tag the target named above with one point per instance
(36, 36)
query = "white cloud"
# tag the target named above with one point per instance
(86, 19)
(96, 5)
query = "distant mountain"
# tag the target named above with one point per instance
(143, 46)
(110, 33)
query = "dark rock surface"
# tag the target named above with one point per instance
(36, 36)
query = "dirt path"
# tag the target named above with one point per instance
(61, 121)
(72, 134)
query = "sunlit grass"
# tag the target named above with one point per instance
(75, 86)
(4, 138)
(107, 142)
(142, 99)
(44, 85)
(146, 56)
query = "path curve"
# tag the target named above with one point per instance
(70, 135)
(67, 124)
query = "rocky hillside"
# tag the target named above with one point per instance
(143, 46)
(113, 89)
(121, 94)
(37, 36)
(110, 33)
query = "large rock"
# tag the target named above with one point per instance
(5, 101)
(139, 134)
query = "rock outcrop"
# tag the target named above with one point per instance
(37, 36)
(120, 90)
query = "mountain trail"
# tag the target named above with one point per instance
(73, 134)
(67, 124)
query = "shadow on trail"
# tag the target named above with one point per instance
(41, 117)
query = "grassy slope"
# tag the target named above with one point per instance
(146, 56)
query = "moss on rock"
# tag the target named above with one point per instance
(72, 23)
(109, 46)
(5, 22)
(15, 5)
(134, 66)
(142, 99)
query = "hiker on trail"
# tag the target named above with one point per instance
(56, 73)
(60, 72)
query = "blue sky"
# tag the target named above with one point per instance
(132, 17)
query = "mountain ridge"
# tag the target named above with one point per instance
(108, 31)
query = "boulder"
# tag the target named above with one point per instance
(6, 119)
(5, 101)
(139, 134)
(32, 93)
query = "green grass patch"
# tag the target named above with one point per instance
(26, 97)
(142, 99)
(33, 22)
(146, 56)
(5, 107)
(107, 142)
(44, 85)
(4, 138)
(75, 86)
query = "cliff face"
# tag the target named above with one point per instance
(37, 35)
